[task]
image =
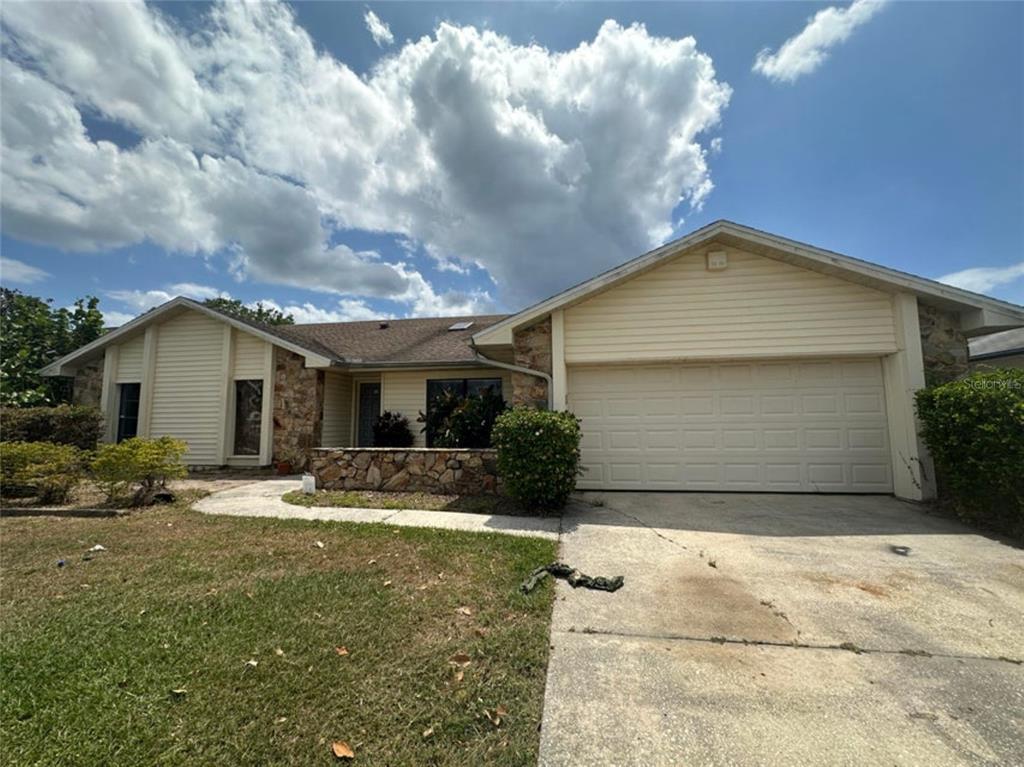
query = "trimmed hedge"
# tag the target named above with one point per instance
(538, 455)
(50, 472)
(148, 463)
(76, 425)
(974, 429)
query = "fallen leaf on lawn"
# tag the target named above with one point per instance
(319, 544)
(459, 675)
(342, 750)
(372, 562)
(278, 651)
(463, 611)
(428, 732)
(495, 719)
(179, 691)
(480, 632)
(460, 659)
(387, 583)
(341, 650)
(281, 720)
(252, 663)
(501, 711)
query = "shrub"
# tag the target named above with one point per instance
(49, 471)
(538, 455)
(76, 425)
(392, 430)
(974, 429)
(463, 422)
(148, 463)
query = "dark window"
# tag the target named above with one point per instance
(128, 410)
(463, 387)
(369, 412)
(248, 416)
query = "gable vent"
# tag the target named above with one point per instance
(461, 325)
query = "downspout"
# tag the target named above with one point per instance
(519, 369)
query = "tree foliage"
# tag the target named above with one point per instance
(260, 313)
(392, 430)
(453, 420)
(32, 334)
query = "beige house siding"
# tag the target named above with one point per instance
(250, 358)
(188, 385)
(337, 431)
(129, 360)
(757, 306)
(405, 391)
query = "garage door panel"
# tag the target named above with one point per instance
(793, 426)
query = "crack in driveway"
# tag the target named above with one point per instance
(796, 645)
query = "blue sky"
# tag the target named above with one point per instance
(492, 154)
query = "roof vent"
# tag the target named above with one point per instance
(462, 325)
(384, 325)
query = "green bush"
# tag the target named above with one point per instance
(538, 455)
(392, 430)
(76, 425)
(974, 429)
(147, 463)
(50, 472)
(463, 422)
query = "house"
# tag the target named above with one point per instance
(730, 359)
(998, 350)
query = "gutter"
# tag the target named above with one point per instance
(519, 369)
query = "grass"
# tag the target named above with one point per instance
(374, 499)
(91, 654)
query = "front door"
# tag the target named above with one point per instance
(369, 410)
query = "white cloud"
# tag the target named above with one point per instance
(115, 319)
(13, 270)
(379, 31)
(144, 300)
(806, 51)
(529, 163)
(348, 310)
(715, 145)
(982, 279)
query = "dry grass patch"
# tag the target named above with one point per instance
(141, 653)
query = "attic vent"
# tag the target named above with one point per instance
(462, 325)
(384, 325)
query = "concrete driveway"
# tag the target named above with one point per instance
(783, 630)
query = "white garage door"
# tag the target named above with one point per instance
(790, 426)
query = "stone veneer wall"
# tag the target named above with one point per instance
(447, 471)
(298, 405)
(532, 349)
(943, 345)
(87, 387)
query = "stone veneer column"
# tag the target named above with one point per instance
(943, 345)
(532, 349)
(87, 387)
(298, 405)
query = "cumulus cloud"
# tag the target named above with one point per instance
(379, 31)
(528, 163)
(115, 319)
(982, 279)
(144, 300)
(805, 52)
(20, 273)
(348, 310)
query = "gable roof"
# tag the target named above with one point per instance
(356, 344)
(983, 314)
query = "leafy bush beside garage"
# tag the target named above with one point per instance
(538, 455)
(76, 425)
(974, 429)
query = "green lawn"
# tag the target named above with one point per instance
(141, 654)
(376, 499)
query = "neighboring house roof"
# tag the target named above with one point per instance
(997, 345)
(378, 343)
(391, 342)
(978, 313)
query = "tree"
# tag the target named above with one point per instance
(32, 334)
(261, 313)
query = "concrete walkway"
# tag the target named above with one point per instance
(263, 499)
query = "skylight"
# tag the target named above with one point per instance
(462, 325)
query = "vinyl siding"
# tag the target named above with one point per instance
(129, 360)
(757, 306)
(405, 391)
(250, 356)
(188, 385)
(337, 429)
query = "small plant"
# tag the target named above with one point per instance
(538, 455)
(48, 471)
(974, 429)
(463, 422)
(76, 425)
(145, 463)
(392, 430)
